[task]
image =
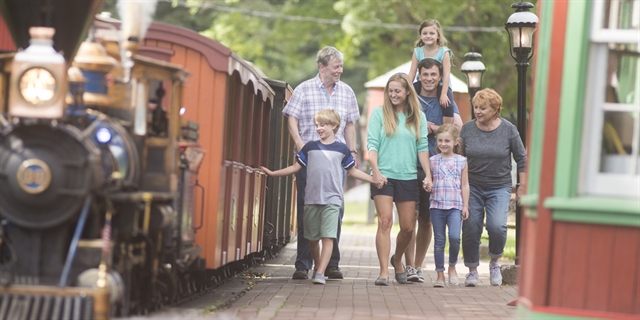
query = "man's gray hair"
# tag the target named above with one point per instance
(327, 54)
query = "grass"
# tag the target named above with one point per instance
(355, 221)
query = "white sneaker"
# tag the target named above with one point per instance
(453, 279)
(472, 279)
(495, 276)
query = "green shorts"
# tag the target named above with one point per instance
(321, 221)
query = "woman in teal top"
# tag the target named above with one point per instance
(397, 132)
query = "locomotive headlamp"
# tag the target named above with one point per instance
(103, 135)
(37, 86)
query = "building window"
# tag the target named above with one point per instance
(611, 150)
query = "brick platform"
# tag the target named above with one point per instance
(277, 296)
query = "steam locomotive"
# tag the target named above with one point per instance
(99, 172)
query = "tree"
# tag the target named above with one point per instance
(282, 37)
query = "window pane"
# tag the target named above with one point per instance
(622, 14)
(619, 143)
(623, 82)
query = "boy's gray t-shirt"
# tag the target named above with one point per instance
(489, 153)
(325, 165)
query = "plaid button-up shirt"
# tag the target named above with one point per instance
(311, 96)
(447, 182)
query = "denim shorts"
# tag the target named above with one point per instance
(400, 190)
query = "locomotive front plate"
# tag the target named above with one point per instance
(33, 176)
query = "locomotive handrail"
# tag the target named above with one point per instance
(198, 185)
(138, 196)
(74, 242)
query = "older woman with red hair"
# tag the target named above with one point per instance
(489, 141)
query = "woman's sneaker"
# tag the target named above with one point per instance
(412, 274)
(495, 276)
(472, 279)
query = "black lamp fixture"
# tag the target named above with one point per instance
(521, 25)
(473, 68)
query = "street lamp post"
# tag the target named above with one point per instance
(521, 25)
(473, 68)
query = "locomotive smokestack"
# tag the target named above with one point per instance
(136, 17)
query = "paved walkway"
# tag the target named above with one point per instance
(268, 292)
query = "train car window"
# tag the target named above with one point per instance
(233, 95)
(254, 145)
(264, 118)
(238, 118)
(245, 124)
(158, 106)
(612, 116)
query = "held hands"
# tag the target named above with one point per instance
(379, 180)
(432, 127)
(427, 184)
(465, 213)
(444, 100)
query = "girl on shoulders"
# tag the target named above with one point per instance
(431, 43)
(449, 203)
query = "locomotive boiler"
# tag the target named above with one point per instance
(97, 169)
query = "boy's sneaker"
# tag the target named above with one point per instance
(412, 274)
(318, 279)
(495, 276)
(472, 279)
(300, 274)
(333, 273)
(420, 276)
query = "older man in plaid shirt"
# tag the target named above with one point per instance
(325, 91)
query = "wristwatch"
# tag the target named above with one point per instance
(354, 151)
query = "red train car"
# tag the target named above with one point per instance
(235, 107)
(6, 42)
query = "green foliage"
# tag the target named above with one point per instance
(282, 37)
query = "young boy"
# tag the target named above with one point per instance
(325, 160)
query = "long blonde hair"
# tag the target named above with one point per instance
(412, 111)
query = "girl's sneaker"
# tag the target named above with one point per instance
(472, 279)
(412, 274)
(319, 279)
(420, 276)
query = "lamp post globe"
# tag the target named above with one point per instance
(521, 26)
(473, 68)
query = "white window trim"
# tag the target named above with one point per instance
(601, 34)
(592, 181)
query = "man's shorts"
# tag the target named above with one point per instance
(423, 203)
(400, 190)
(321, 221)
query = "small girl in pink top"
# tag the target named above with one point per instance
(449, 200)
